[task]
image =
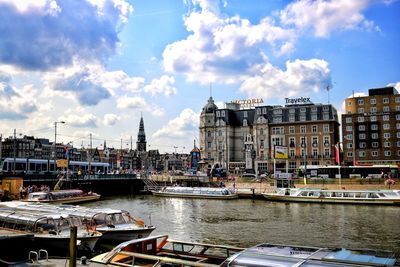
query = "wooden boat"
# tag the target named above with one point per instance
(51, 230)
(62, 196)
(115, 225)
(283, 255)
(196, 192)
(380, 197)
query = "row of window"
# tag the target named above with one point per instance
(386, 144)
(374, 127)
(375, 109)
(363, 136)
(292, 110)
(371, 118)
(292, 118)
(372, 101)
(362, 154)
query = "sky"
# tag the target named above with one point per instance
(99, 65)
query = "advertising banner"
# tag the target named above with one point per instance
(281, 152)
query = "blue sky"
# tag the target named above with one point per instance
(99, 64)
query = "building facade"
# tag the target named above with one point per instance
(241, 139)
(371, 128)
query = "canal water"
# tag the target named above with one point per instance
(247, 222)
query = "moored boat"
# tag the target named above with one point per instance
(115, 225)
(62, 196)
(196, 192)
(51, 230)
(378, 197)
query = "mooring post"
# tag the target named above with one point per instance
(72, 246)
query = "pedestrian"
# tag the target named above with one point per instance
(21, 192)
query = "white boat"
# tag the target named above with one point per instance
(196, 192)
(51, 230)
(381, 197)
(284, 255)
(62, 196)
(115, 225)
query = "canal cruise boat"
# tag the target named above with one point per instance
(62, 196)
(115, 225)
(51, 230)
(196, 192)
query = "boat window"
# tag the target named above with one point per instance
(381, 194)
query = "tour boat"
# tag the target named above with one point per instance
(115, 225)
(284, 255)
(162, 251)
(196, 192)
(62, 196)
(381, 197)
(51, 230)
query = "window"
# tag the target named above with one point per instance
(361, 154)
(372, 101)
(362, 144)
(313, 109)
(373, 118)
(360, 101)
(349, 128)
(361, 127)
(374, 153)
(398, 134)
(374, 136)
(397, 99)
(398, 117)
(386, 117)
(326, 128)
(397, 108)
(291, 129)
(361, 136)
(373, 109)
(386, 135)
(292, 111)
(302, 129)
(387, 144)
(302, 141)
(264, 111)
(261, 143)
(245, 114)
(386, 126)
(291, 152)
(223, 113)
(302, 117)
(208, 144)
(375, 144)
(219, 133)
(209, 134)
(325, 108)
(349, 145)
(387, 153)
(327, 140)
(258, 111)
(315, 152)
(398, 143)
(326, 152)
(349, 154)
(244, 122)
(386, 100)
(386, 109)
(278, 130)
(277, 119)
(314, 117)
(303, 110)
(360, 119)
(314, 128)
(360, 110)
(261, 131)
(374, 127)
(349, 120)
(218, 113)
(292, 142)
(349, 137)
(292, 118)
(349, 103)
(314, 140)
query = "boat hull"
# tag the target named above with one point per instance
(332, 200)
(166, 194)
(69, 200)
(116, 236)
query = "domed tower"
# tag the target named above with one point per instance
(141, 140)
(207, 132)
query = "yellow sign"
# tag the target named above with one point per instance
(281, 152)
(62, 163)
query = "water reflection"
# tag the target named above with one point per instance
(246, 222)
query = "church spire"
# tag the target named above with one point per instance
(141, 140)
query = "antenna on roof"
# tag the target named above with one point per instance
(210, 90)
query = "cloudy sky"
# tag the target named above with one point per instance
(99, 64)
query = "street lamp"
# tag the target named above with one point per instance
(55, 143)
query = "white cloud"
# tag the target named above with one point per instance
(164, 85)
(138, 103)
(395, 85)
(79, 117)
(300, 77)
(110, 119)
(324, 17)
(224, 49)
(16, 104)
(182, 126)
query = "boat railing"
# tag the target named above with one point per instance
(149, 188)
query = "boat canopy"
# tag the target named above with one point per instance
(197, 190)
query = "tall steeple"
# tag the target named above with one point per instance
(141, 140)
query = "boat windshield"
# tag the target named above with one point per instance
(38, 196)
(115, 218)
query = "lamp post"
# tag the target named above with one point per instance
(304, 145)
(55, 143)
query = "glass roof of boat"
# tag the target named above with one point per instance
(280, 255)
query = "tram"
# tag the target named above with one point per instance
(372, 171)
(41, 166)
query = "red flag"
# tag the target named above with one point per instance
(327, 88)
(355, 162)
(337, 153)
